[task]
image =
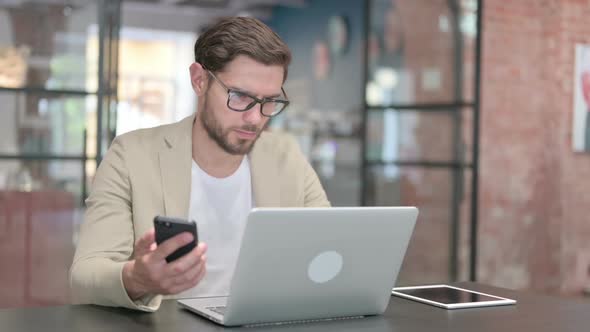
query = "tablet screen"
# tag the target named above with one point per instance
(447, 295)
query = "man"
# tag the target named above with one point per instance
(212, 167)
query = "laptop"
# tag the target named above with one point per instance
(308, 264)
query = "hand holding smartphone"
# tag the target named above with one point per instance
(168, 227)
(145, 273)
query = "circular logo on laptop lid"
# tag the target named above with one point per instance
(325, 267)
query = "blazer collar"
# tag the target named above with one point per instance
(264, 173)
(175, 167)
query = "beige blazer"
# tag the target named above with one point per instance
(146, 173)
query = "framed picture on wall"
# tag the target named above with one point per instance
(581, 118)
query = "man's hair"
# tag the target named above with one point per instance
(233, 36)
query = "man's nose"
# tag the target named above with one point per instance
(254, 115)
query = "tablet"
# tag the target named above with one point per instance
(450, 297)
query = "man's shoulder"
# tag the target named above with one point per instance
(149, 136)
(276, 142)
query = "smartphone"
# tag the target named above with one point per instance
(167, 227)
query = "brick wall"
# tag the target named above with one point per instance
(535, 191)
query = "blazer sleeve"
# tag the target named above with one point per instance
(314, 194)
(106, 238)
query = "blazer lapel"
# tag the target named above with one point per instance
(175, 168)
(265, 176)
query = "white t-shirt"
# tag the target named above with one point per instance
(220, 207)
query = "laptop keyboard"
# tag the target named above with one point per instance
(220, 310)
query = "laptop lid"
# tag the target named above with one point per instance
(315, 263)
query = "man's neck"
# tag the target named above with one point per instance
(210, 157)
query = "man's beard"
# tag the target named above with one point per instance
(221, 137)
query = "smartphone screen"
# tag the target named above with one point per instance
(167, 227)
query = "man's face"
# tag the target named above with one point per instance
(236, 132)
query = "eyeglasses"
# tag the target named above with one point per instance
(241, 102)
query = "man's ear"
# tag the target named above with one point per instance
(199, 78)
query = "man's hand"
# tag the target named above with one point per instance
(148, 272)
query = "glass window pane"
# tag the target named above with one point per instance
(431, 190)
(150, 95)
(420, 63)
(40, 208)
(46, 124)
(419, 136)
(337, 163)
(48, 45)
(342, 184)
(468, 26)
